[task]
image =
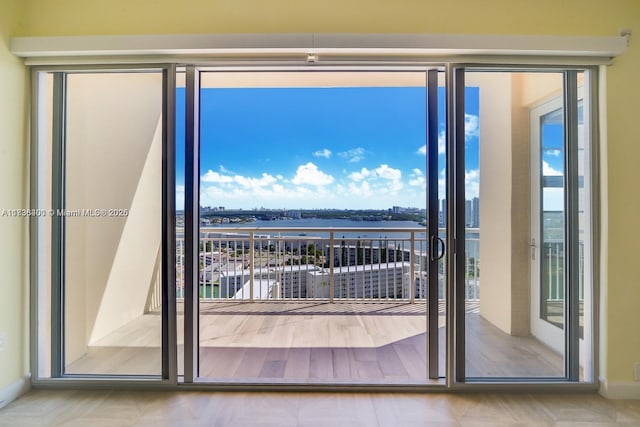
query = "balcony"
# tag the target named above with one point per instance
(338, 304)
(321, 305)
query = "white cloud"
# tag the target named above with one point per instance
(471, 174)
(383, 171)
(326, 153)
(386, 172)
(179, 197)
(472, 183)
(471, 129)
(378, 187)
(360, 190)
(354, 155)
(263, 181)
(271, 196)
(225, 170)
(212, 177)
(417, 178)
(471, 125)
(555, 153)
(359, 176)
(442, 185)
(416, 182)
(442, 144)
(548, 170)
(216, 177)
(383, 180)
(311, 175)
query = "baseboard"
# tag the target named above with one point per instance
(11, 392)
(620, 389)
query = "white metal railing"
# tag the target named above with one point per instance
(552, 270)
(338, 263)
(472, 264)
(317, 263)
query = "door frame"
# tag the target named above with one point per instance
(540, 328)
(192, 222)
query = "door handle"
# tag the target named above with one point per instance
(533, 247)
(434, 242)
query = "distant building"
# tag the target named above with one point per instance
(359, 281)
(263, 288)
(472, 213)
(294, 214)
(350, 254)
(291, 282)
(475, 206)
(410, 210)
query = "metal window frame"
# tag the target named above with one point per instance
(571, 207)
(58, 378)
(455, 380)
(58, 199)
(192, 226)
(433, 337)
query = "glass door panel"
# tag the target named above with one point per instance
(313, 251)
(110, 219)
(515, 225)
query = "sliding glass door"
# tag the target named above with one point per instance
(362, 226)
(104, 264)
(527, 219)
(308, 196)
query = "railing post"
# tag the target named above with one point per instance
(251, 279)
(332, 284)
(412, 281)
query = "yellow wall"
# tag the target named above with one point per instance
(75, 17)
(551, 17)
(623, 290)
(13, 194)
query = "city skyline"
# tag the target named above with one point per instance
(306, 148)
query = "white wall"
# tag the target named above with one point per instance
(114, 159)
(495, 196)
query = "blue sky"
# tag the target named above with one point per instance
(552, 158)
(343, 147)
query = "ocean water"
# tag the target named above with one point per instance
(363, 229)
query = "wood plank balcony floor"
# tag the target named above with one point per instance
(315, 341)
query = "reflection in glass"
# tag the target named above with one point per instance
(552, 218)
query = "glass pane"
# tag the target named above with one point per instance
(180, 248)
(442, 225)
(309, 184)
(514, 218)
(112, 239)
(552, 254)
